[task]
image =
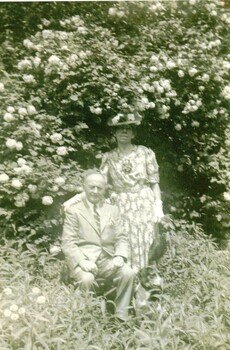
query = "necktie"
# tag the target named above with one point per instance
(97, 217)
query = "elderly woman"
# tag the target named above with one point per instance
(132, 172)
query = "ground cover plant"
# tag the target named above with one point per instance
(65, 68)
(38, 311)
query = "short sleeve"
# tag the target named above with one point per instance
(152, 167)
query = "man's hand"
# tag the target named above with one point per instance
(118, 261)
(88, 266)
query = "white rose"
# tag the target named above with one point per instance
(192, 72)
(27, 43)
(59, 181)
(98, 110)
(120, 14)
(22, 111)
(55, 249)
(4, 178)
(28, 78)
(19, 146)
(112, 11)
(14, 317)
(16, 183)
(153, 69)
(14, 307)
(21, 161)
(36, 290)
(31, 110)
(226, 196)
(21, 311)
(24, 64)
(8, 117)
(205, 77)
(62, 151)
(178, 127)
(7, 313)
(32, 188)
(180, 73)
(11, 143)
(7, 291)
(54, 60)
(47, 200)
(56, 137)
(226, 92)
(41, 299)
(170, 65)
(10, 109)
(20, 203)
(2, 87)
(195, 124)
(82, 30)
(37, 61)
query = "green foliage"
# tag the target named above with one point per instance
(191, 313)
(77, 64)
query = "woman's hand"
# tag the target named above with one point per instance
(158, 210)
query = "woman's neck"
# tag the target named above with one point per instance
(125, 148)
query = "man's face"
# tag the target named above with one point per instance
(94, 187)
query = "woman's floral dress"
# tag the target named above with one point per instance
(131, 177)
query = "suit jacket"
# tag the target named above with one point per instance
(82, 240)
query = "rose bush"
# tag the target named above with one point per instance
(77, 71)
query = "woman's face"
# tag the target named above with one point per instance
(124, 134)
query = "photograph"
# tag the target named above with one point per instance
(115, 175)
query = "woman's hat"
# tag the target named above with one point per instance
(125, 119)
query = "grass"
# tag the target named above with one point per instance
(39, 312)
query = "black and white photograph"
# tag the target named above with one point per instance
(115, 175)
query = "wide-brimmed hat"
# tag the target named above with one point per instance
(120, 119)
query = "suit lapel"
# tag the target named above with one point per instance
(87, 214)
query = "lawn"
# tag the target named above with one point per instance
(39, 311)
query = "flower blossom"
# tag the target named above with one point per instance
(56, 137)
(7, 313)
(2, 87)
(10, 109)
(24, 64)
(31, 110)
(28, 43)
(7, 291)
(21, 311)
(22, 111)
(41, 299)
(192, 72)
(21, 161)
(28, 78)
(11, 143)
(19, 146)
(62, 151)
(112, 11)
(37, 61)
(59, 181)
(4, 178)
(226, 92)
(8, 117)
(47, 200)
(36, 290)
(226, 196)
(178, 127)
(32, 188)
(95, 110)
(14, 307)
(16, 183)
(55, 249)
(54, 60)
(14, 317)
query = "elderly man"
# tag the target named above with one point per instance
(94, 244)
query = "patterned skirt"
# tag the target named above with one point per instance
(137, 212)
